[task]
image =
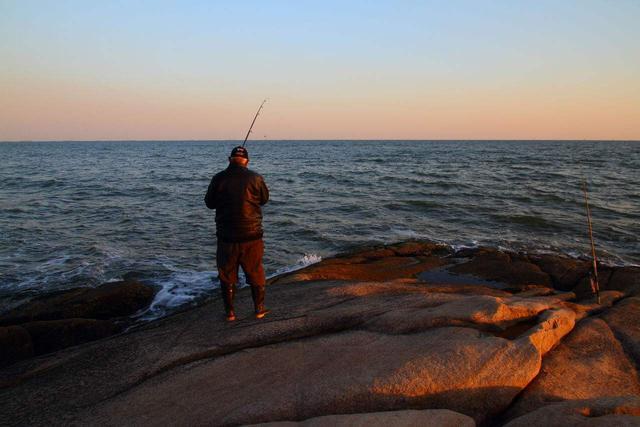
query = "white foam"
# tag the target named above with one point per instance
(406, 233)
(302, 262)
(458, 247)
(182, 287)
(56, 261)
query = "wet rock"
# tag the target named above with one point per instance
(615, 411)
(564, 272)
(15, 345)
(471, 252)
(420, 249)
(107, 301)
(499, 267)
(407, 418)
(376, 253)
(52, 335)
(588, 363)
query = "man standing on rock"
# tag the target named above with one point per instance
(236, 194)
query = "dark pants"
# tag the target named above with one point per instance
(248, 255)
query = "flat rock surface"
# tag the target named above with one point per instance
(362, 334)
(349, 372)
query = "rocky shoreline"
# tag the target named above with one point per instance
(66, 318)
(407, 334)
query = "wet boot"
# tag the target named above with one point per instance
(257, 292)
(228, 292)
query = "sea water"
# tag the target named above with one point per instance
(83, 213)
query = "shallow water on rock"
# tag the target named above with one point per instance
(442, 275)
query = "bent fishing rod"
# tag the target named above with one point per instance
(253, 122)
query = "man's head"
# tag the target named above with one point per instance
(239, 155)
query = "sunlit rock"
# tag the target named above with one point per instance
(588, 363)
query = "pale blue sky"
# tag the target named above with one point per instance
(332, 69)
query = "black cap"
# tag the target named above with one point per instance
(240, 152)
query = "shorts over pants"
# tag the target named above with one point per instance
(248, 255)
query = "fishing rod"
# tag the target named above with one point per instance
(253, 122)
(593, 275)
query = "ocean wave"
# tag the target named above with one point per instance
(424, 203)
(304, 261)
(181, 288)
(184, 287)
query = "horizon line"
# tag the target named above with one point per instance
(320, 140)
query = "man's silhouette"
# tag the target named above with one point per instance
(236, 194)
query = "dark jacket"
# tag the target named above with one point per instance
(236, 194)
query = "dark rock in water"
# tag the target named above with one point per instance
(15, 344)
(412, 248)
(52, 335)
(420, 249)
(494, 265)
(107, 301)
(66, 318)
(470, 252)
(564, 272)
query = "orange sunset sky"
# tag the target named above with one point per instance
(75, 70)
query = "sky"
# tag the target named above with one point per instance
(476, 69)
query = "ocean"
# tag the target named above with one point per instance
(83, 213)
